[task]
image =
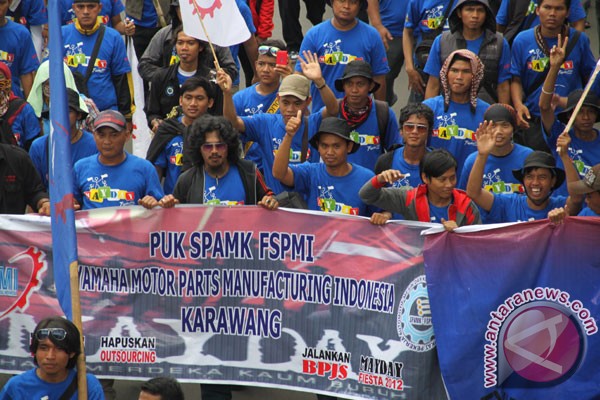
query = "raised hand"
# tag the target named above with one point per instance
(486, 137)
(293, 124)
(311, 67)
(390, 176)
(558, 52)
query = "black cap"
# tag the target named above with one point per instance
(591, 100)
(501, 112)
(356, 68)
(540, 159)
(75, 102)
(338, 127)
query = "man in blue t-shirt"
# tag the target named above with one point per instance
(585, 139)
(504, 157)
(268, 130)
(365, 115)
(458, 111)
(538, 175)
(472, 27)
(107, 84)
(530, 54)
(114, 177)
(55, 345)
(330, 186)
(17, 51)
(342, 39)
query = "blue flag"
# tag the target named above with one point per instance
(64, 240)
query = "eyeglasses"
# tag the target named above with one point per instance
(56, 333)
(411, 127)
(207, 147)
(271, 50)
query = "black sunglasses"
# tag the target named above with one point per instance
(56, 333)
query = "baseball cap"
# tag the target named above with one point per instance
(110, 118)
(338, 127)
(540, 159)
(590, 182)
(295, 85)
(356, 68)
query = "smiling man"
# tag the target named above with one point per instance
(55, 345)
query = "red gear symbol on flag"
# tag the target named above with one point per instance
(206, 10)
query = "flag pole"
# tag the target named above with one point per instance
(64, 239)
(212, 49)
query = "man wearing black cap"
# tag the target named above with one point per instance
(585, 140)
(82, 141)
(330, 186)
(114, 177)
(373, 122)
(106, 81)
(539, 176)
(504, 157)
(590, 187)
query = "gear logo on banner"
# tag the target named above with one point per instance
(414, 317)
(20, 278)
(208, 8)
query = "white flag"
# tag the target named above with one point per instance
(222, 19)
(142, 135)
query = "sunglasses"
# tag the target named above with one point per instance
(419, 127)
(212, 146)
(269, 50)
(55, 333)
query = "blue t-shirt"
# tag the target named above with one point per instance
(97, 185)
(454, 130)
(576, 12)
(26, 126)
(33, 12)
(367, 134)
(225, 191)
(149, 16)
(267, 130)
(424, 16)
(437, 213)
(336, 194)
(514, 208)
(434, 63)
(247, 15)
(337, 48)
(393, 14)
(497, 174)
(110, 8)
(170, 160)
(587, 212)
(29, 386)
(528, 61)
(17, 51)
(249, 102)
(84, 147)
(584, 154)
(112, 60)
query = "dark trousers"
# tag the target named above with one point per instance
(142, 38)
(533, 136)
(289, 12)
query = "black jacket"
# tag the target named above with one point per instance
(189, 188)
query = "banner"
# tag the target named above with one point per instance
(141, 135)
(516, 310)
(300, 301)
(222, 20)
